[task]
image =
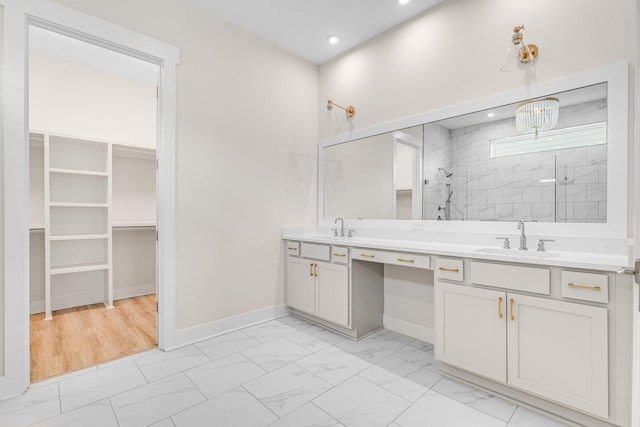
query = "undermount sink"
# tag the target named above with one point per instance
(516, 252)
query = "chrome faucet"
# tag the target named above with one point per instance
(341, 225)
(523, 237)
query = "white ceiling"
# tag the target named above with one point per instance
(302, 26)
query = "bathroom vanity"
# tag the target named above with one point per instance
(557, 328)
(549, 329)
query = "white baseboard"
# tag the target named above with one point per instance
(218, 327)
(78, 300)
(410, 329)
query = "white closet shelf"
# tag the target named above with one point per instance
(77, 205)
(78, 172)
(80, 236)
(133, 224)
(36, 227)
(78, 268)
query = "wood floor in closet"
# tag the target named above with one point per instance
(81, 337)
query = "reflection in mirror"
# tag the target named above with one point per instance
(376, 177)
(479, 167)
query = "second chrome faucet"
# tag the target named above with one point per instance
(523, 236)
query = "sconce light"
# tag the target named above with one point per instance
(537, 115)
(519, 52)
(349, 110)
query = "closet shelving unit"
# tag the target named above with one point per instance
(77, 212)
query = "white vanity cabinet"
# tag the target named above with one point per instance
(316, 286)
(555, 349)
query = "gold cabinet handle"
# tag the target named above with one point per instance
(500, 308)
(455, 270)
(335, 254)
(511, 316)
(367, 256)
(292, 249)
(311, 270)
(593, 288)
(315, 270)
(405, 260)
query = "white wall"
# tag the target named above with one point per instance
(452, 54)
(2, 316)
(247, 128)
(72, 99)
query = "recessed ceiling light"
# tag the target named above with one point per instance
(333, 39)
(490, 114)
(403, 2)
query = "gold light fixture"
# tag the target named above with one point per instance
(519, 53)
(537, 115)
(349, 110)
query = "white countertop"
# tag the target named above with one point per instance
(585, 260)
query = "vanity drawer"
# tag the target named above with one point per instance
(339, 254)
(450, 269)
(397, 258)
(585, 286)
(315, 251)
(293, 248)
(516, 277)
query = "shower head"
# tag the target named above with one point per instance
(447, 173)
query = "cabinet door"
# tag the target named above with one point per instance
(558, 350)
(470, 329)
(332, 293)
(300, 284)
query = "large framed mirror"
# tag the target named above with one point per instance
(476, 163)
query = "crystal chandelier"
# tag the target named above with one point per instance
(537, 115)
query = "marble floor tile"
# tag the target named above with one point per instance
(164, 423)
(275, 354)
(478, 399)
(233, 408)
(418, 352)
(33, 406)
(401, 377)
(99, 414)
(308, 415)
(224, 374)
(226, 344)
(434, 409)
(163, 364)
(294, 322)
(268, 331)
(524, 417)
(333, 365)
(99, 384)
(376, 346)
(357, 402)
(156, 401)
(315, 338)
(287, 389)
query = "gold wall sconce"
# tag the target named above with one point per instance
(519, 52)
(349, 110)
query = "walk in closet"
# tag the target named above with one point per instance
(92, 222)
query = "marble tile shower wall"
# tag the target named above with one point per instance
(510, 188)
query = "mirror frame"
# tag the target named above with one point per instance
(617, 78)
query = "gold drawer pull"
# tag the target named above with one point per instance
(293, 249)
(511, 316)
(311, 270)
(454, 270)
(593, 288)
(500, 308)
(335, 254)
(367, 256)
(405, 260)
(315, 270)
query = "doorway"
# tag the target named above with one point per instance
(92, 216)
